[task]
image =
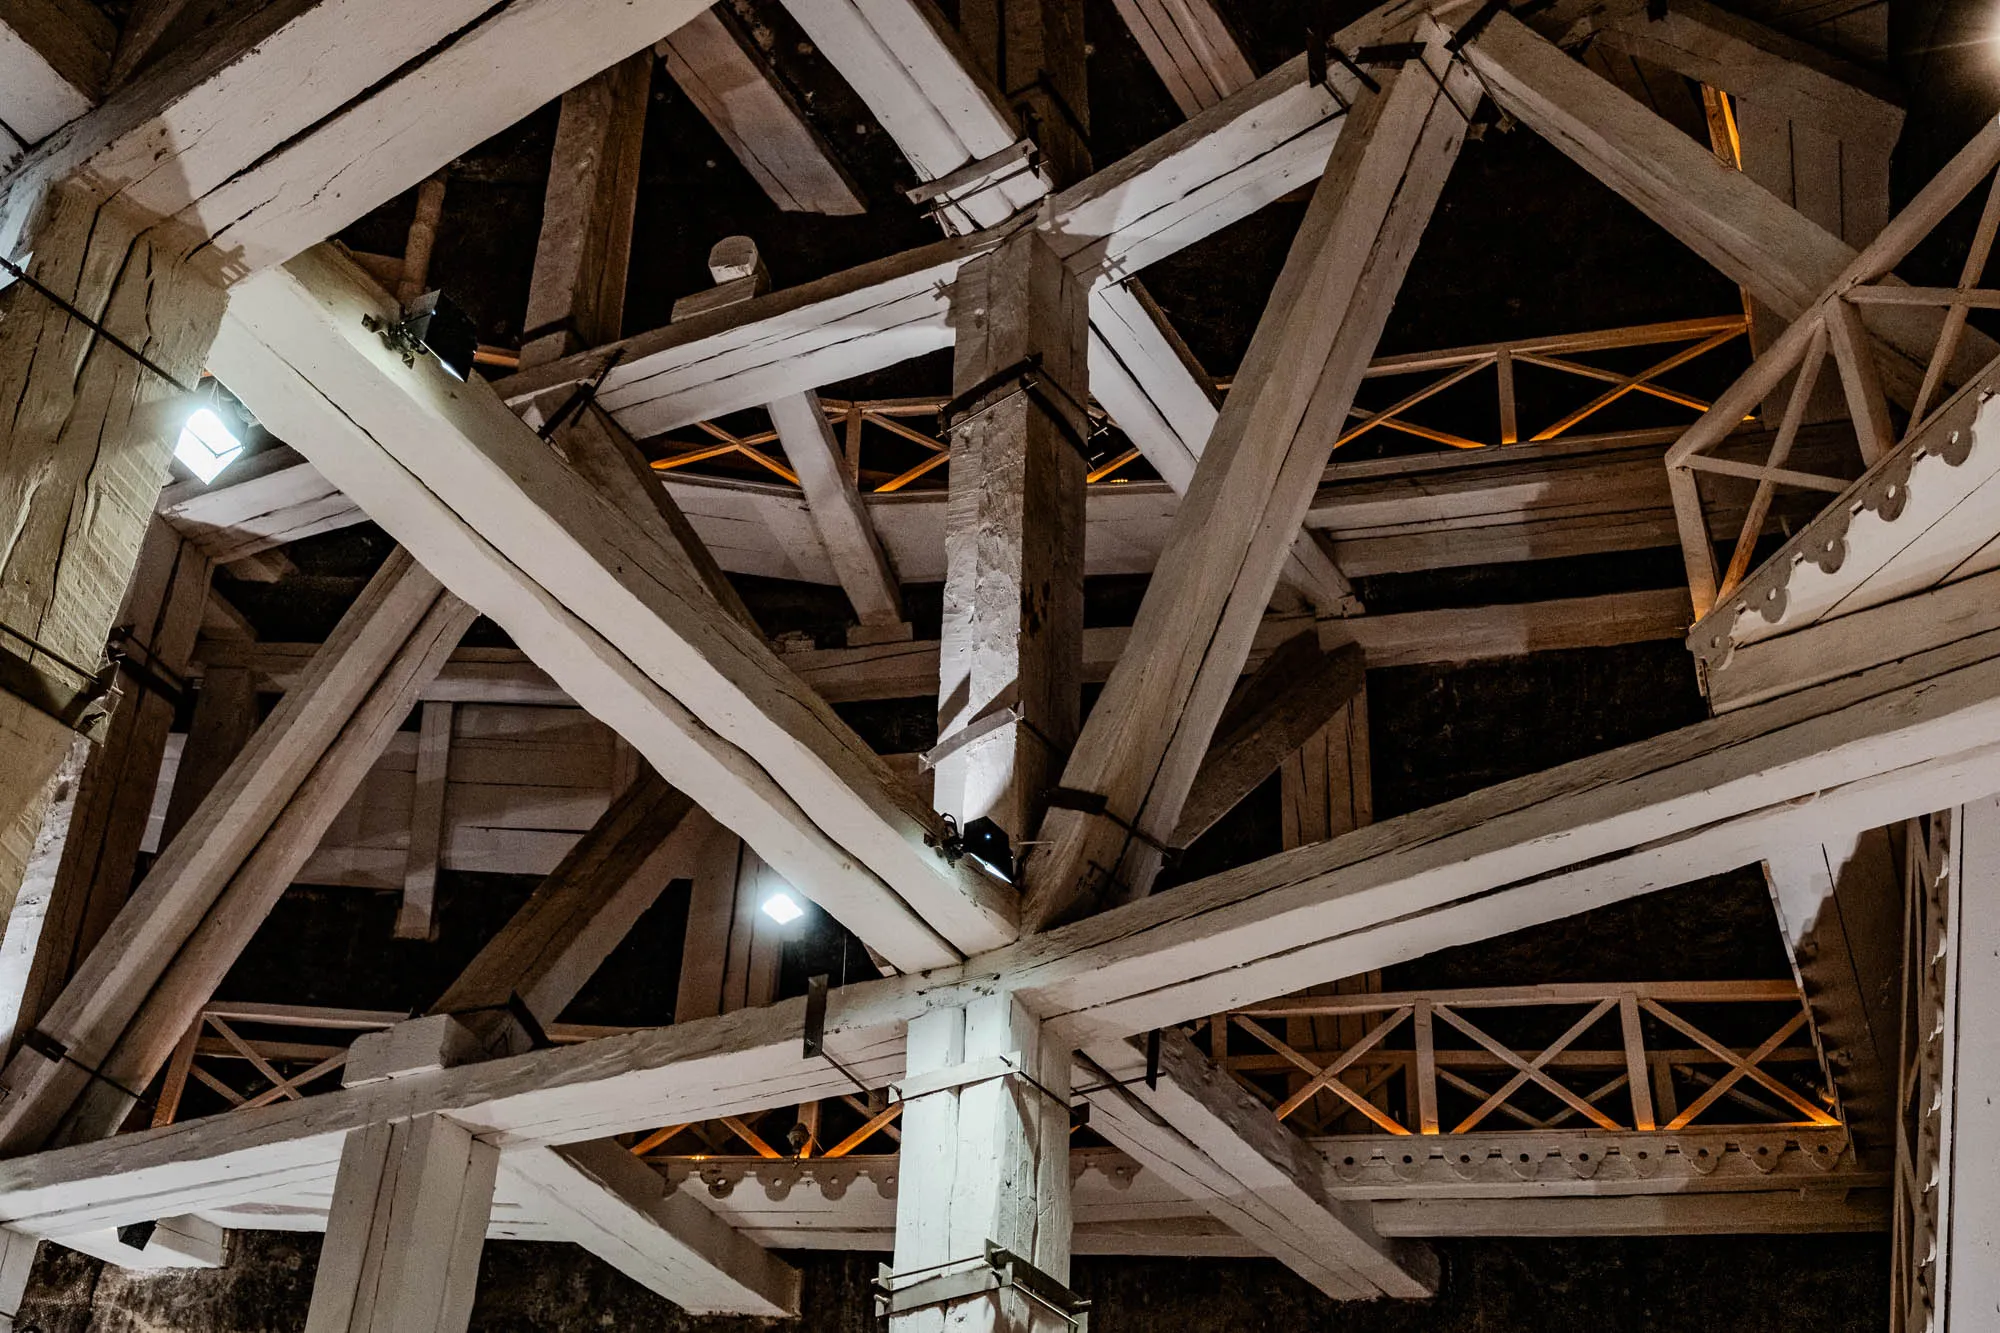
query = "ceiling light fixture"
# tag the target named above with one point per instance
(782, 908)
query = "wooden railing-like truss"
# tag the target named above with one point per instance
(1612, 1058)
(866, 427)
(1609, 1058)
(1834, 327)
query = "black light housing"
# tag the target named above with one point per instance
(989, 844)
(435, 324)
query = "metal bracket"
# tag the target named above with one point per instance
(984, 1070)
(1003, 1271)
(83, 708)
(1024, 376)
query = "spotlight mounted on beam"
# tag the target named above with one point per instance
(782, 908)
(432, 325)
(211, 435)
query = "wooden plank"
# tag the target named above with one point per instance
(1224, 1149)
(725, 76)
(601, 1197)
(266, 500)
(1012, 632)
(911, 70)
(1755, 672)
(594, 594)
(837, 512)
(409, 1215)
(305, 96)
(1189, 45)
(415, 917)
(1764, 1213)
(909, 670)
(1149, 730)
(576, 296)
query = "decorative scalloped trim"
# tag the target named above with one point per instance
(1882, 492)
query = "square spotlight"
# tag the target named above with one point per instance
(207, 445)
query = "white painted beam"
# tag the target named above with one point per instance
(286, 126)
(604, 1199)
(54, 56)
(1234, 530)
(1189, 45)
(593, 595)
(1709, 798)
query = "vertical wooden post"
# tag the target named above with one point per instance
(86, 448)
(409, 1216)
(983, 1161)
(423, 239)
(17, 1261)
(577, 296)
(1013, 599)
(1635, 1062)
(415, 920)
(225, 715)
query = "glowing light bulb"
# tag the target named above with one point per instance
(782, 908)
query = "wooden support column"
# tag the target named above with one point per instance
(1840, 905)
(1033, 50)
(1964, 1209)
(81, 463)
(158, 963)
(576, 298)
(100, 853)
(1235, 527)
(984, 1158)
(410, 1208)
(17, 1262)
(1013, 593)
